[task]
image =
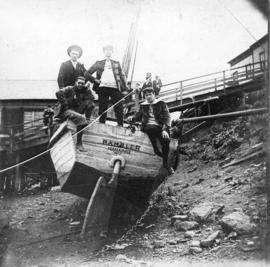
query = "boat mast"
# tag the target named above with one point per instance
(134, 61)
(130, 46)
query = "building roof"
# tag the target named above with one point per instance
(240, 57)
(248, 52)
(28, 89)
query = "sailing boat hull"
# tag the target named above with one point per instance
(78, 172)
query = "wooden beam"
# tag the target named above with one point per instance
(224, 115)
(253, 155)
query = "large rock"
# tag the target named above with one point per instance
(238, 222)
(159, 244)
(195, 243)
(208, 242)
(185, 226)
(4, 222)
(195, 249)
(189, 234)
(202, 211)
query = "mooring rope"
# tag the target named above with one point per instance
(48, 150)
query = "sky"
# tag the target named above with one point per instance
(177, 39)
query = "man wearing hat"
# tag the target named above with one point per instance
(74, 101)
(109, 84)
(148, 81)
(71, 69)
(155, 121)
(157, 84)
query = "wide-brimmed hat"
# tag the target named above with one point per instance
(75, 48)
(148, 75)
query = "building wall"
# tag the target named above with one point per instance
(246, 61)
(32, 118)
(257, 54)
(260, 50)
(20, 112)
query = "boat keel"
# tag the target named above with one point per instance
(98, 211)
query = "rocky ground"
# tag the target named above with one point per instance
(207, 214)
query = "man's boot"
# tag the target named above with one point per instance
(79, 145)
(165, 151)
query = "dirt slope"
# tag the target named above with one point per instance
(159, 239)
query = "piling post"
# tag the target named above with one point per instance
(18, 174)
(267, 237)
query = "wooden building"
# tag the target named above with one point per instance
(24, 101)
(21, 110)
(256, 53)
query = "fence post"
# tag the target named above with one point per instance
(10, 173)
(18, 174)
(215, 84)
(2, 166)
(11, 139)
(224, 82)
(181, 93)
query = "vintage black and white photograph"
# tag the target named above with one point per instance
(134, 133)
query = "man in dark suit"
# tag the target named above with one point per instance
(71, 69)
(74, 101)
(148, 81)
(109, 83)
(157, 84)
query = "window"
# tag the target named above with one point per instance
(249, 72)
(262, 60)
(32, 118)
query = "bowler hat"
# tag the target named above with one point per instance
(75, 48)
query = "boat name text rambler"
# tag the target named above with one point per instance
(118, 144)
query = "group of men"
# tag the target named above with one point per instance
(76, 98)
(111, 86)
(156, 84)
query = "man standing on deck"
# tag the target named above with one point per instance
(155, 118)
(71, 69)
(157, 84)
(109, 83)
(148, 81)
(74, 101)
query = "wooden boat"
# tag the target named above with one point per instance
(110, 151)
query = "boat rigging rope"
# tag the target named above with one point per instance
(238, 20)
(48, 150)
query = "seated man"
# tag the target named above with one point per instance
(155, 118)
(75, 101)
(85, 98)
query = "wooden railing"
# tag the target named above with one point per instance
(212, 82)
(21, 133)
